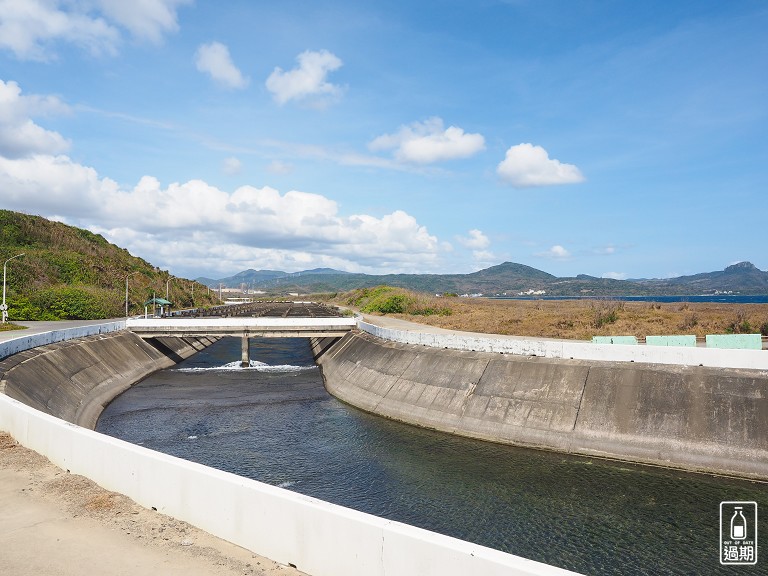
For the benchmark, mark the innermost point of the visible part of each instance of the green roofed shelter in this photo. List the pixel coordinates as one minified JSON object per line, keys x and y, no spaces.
{"x":155,"y":302}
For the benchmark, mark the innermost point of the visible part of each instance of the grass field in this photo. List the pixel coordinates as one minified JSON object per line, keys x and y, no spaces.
{"x":582,"y":319}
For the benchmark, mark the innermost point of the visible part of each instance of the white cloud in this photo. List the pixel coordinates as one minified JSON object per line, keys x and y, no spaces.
{"x":30,"y":28}
{"x":526,"y":165}
{"x":19,"y":135}
{"x":306,"y":81}
{"x":615,"y":275}
{"x":195,"y":224}
{"x":428,"y":142}
{"x":478,"y":243}
{"x":475,"y":240}
{"x":214,"y":60}
{"x":278,"y":167}
{"x":147,"y":19}
{"x":557,"y":252}
{"x":484,"y":259}
{"x":232,"y":166}
{"x":202,"y":227}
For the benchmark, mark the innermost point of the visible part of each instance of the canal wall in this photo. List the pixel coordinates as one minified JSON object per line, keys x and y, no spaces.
{"x":421,"y":335}
{"x":677,"y":415}
{"x":76,"y":378}
{"x":317,"y":537}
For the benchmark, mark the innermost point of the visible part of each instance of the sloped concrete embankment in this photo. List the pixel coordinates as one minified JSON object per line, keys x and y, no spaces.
{"x":696,"y":418}
{"x":74,"y":380}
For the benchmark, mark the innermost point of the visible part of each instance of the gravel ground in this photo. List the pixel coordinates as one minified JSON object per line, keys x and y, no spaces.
{"x":53,"y":522}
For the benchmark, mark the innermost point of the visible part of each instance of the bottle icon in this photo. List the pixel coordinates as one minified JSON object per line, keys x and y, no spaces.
{"x":738,"y":525}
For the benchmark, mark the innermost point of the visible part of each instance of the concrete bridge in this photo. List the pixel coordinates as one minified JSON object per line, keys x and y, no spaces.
{"x":258,"y":319}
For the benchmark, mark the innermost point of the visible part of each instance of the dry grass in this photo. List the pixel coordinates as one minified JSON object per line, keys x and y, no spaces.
{"x":582,"y":319}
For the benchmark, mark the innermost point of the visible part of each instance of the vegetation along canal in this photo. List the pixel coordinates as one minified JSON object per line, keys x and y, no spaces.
{"x":275,"y":422}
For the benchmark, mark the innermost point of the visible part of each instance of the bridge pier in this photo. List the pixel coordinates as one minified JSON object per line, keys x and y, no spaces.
{"x":246,"y":354}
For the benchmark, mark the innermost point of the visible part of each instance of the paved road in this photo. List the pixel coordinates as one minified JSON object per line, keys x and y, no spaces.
{"x":36,"y":327}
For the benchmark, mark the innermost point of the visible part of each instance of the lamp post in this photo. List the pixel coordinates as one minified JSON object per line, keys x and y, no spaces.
{"x":126,"y":291}
{"x":4,"y":306}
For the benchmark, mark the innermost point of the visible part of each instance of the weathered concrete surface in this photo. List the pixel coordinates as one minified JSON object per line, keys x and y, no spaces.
{"x":76,"y":379}
{"x":696,"y":418}
{"x":54,"y":523}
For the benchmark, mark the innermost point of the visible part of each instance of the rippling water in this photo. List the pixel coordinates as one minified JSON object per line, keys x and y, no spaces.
{"x":274,"y":422}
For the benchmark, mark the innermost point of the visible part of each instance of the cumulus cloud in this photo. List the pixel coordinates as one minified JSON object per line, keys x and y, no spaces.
{"x":31,"y":28}
{"x":214,"y":60}
{"x":475,"y":240}
{"x":248,"y":220}
{"x":19,"y":135}
{"x":615,"y":275}
{"x":484,"y":258}
{"x":526,"y":165}
{"x":557,"y":252}
{"x":307,"y":80}
{"x":195,"y":224}
{"x":429,"y":141}
{"x":478,"y":243}
{"x":232,"y":166}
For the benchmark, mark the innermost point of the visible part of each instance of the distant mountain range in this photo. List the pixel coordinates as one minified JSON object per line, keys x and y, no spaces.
{"x":507,"y":279}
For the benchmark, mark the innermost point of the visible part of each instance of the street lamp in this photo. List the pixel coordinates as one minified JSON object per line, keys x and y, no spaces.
{"x":126,"y":291}
{"x":4,"y":306}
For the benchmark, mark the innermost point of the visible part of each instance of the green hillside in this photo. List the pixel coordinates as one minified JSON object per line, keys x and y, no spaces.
{"x":506,"y":279}
{"x":70,"y":273}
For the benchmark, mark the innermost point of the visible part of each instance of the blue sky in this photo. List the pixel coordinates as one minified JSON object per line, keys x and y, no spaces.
{"x":612,"y":138}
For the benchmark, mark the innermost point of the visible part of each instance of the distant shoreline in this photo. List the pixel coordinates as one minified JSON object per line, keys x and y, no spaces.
{"x":707,"y":298}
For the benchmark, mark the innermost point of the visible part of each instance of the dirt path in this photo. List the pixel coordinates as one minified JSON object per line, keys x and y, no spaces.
{"x":55,"y":523}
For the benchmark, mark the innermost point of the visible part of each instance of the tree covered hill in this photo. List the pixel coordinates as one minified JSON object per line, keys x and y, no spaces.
{"x":507,"y":279}
{"x":71,"y":273}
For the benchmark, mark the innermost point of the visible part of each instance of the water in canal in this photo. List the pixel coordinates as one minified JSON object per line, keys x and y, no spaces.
{"x":274,"y":422}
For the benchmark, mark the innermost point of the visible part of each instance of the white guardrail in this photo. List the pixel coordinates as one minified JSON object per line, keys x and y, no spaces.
{"x":574,"y":349}
{"x":317,"y":537}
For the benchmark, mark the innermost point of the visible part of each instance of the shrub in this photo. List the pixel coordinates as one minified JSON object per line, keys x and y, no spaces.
{"x":740,"y":325}
{"x":691,"y":320}
{"x":66,"y":303}
{"x":430,"y":311}
{"x":606,"y":313}
{"x":389,"y":300}
{"x":387,"y":304}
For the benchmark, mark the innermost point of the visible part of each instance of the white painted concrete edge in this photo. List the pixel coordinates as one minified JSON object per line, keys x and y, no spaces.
{"x":317,"y":537}
{"x":576,"y":350}
{"x":15,"y":345}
